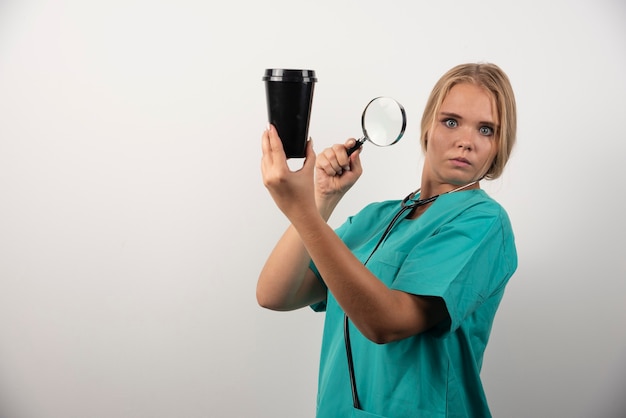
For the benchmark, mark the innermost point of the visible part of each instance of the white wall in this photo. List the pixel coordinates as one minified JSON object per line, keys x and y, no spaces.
{"x":133,"y":220}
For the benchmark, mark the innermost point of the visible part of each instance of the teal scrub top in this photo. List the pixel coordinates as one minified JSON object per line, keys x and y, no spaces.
{"x":462,"y":250}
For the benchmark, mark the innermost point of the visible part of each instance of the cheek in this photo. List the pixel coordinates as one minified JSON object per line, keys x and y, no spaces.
{"x":435,"y":139}
{"x":491,"y":151}
{"x":440,"y":144}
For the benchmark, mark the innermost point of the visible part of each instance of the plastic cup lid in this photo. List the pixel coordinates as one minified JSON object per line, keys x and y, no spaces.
{"x":280,"y":74}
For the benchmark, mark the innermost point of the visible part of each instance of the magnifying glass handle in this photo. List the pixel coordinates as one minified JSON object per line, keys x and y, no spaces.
{"x":359,"y":143}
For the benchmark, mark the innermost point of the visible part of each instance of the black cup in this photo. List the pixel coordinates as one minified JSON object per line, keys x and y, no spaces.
{"x":289,"y":96}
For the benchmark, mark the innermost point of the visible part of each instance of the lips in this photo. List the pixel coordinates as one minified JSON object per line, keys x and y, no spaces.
{"x":461,"y":160}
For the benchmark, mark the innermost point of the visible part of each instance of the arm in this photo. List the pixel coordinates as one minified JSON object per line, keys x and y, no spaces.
{"x":380,"y":313}
{"x":286,"y":282}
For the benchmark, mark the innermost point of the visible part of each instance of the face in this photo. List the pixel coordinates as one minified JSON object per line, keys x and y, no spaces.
{"x":462,"y":141}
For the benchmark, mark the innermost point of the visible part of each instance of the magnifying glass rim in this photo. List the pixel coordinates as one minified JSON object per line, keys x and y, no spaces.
{"x":403,"y":121}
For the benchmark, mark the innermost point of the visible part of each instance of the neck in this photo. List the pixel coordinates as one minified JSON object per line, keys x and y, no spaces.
{"x":428,"y":190}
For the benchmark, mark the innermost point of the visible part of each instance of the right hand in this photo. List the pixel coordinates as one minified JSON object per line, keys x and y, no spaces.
{"x":335,"y":171}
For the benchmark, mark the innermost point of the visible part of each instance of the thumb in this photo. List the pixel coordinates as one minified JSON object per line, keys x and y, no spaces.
{"x":309,"y":162}
{"x":355,"y":161}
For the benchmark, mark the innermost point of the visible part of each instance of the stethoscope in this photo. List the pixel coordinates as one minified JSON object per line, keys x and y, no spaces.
{"x":407,"y":204}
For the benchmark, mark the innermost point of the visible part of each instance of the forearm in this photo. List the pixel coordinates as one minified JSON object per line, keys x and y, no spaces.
{"x":282,"y":284}
{"x":364,"y":298}
{"x":281,"y":281}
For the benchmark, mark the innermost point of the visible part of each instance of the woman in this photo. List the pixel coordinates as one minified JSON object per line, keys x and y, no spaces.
{"x":410,"y":288}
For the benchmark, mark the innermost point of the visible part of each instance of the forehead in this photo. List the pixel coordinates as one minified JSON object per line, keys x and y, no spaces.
{"x":470,"y":101}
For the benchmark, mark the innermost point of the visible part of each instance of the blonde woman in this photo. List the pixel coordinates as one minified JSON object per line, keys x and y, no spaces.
{"x":410,"y":287}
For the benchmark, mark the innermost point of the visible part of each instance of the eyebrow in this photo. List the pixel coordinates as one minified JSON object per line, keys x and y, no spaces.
{"x":455,"y":116}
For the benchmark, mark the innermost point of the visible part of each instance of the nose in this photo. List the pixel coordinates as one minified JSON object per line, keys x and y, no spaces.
{"x":464,"y":139}
{"x":464,"y":142}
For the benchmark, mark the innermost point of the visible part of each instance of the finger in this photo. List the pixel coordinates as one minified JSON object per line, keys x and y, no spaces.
{"x":267,"y":160}
{"x":350,"y":143}
{"x":355,"y":161}
{"x":327,"y":161}
{"x":344,"y":158}
{"x":342,"y":162}
{"x":265,"y":144}
{"x":310,"y":160}
{"x":276,"y":145}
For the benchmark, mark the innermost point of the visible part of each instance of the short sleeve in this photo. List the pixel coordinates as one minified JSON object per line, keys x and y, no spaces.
{"x":464,"y":262}
{"x":319,"y":306}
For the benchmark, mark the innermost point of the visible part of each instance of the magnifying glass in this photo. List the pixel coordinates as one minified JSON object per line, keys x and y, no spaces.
{"x":383,"y":122}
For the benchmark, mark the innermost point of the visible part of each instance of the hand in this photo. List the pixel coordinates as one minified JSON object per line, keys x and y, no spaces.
{"x":292,"y":191}
{"x":336,"y":172}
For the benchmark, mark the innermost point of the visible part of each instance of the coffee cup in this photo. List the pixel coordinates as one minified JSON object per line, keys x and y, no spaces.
{"x":289,"y":95}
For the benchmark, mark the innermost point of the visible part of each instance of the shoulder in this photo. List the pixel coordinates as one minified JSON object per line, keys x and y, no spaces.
{"x":473,"y":203}
{"x":475,"y":214}
{"x":471,"y":198}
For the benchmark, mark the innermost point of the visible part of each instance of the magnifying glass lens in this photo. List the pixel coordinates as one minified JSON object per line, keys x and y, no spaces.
{"x":383,"y":121}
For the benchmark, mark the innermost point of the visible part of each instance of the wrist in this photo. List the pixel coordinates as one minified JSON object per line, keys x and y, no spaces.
{"x":326,"y":205}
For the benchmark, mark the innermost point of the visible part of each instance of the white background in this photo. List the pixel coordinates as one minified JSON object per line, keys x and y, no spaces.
{"x":133,"y":219}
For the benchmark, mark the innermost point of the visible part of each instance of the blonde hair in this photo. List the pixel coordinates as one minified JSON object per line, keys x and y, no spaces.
{"x":495,"y":81}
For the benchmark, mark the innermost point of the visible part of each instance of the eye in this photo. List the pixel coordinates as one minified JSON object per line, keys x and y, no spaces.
{"x":450,"y":123}
{"x":486,"y":130}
